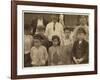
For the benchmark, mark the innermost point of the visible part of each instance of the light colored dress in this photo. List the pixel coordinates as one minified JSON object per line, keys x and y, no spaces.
{"x":55,"y":55}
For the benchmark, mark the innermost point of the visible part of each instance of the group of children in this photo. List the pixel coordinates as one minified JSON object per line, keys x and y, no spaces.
{"x":39,"y":51}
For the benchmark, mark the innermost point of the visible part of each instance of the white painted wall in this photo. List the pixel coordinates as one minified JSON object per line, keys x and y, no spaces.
{"x":5,"y":40}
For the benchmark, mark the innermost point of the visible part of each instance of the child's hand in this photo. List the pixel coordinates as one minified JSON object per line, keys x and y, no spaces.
{"x":80,"y":60}
{"x":76,"y":60}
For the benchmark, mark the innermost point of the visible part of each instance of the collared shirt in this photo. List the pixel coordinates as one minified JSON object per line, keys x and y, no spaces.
{"x":50,"y":31}
{"x":67,"y":42}
{"x":80,"y":42}
{"x":28,"y":39}
{"x":39,"y":55}
{"x":40,"y":22}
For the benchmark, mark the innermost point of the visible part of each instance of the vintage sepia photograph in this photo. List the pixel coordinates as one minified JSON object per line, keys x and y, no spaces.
{"x":55,"y":39}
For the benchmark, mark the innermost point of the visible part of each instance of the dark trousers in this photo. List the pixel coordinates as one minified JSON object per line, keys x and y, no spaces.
{"x":27,"y":60}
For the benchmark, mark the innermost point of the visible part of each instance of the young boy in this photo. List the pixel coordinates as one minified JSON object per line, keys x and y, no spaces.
{"x":41,"y":31}
{"x":67,"y":39}
{"x":67,"y":46}
{"x":80,"y":48}
{"x":39,"y":53}
{"x":28,"y":40}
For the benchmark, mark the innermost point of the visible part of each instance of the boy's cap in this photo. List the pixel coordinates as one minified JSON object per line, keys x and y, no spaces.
{"x":38,"y":36}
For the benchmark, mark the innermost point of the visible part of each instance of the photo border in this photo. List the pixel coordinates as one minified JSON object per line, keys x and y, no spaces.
{"x":14,"y":39}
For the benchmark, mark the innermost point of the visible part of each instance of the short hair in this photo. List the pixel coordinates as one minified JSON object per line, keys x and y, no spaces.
{"x":81,"y":30}
{"x":37,"y":36}
{"x":56,"y":37}
{"x":67,"y":28}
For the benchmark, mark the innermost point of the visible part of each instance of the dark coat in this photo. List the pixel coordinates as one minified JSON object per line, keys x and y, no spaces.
{"x":81,"y":50}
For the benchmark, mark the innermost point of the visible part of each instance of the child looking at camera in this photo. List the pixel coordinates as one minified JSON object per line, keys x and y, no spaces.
{"x":39,"y":54}
{"x":67,"y":47}
{"x":67,"y":41}
{"x":80,"y":48}
{"x":55,"y":51}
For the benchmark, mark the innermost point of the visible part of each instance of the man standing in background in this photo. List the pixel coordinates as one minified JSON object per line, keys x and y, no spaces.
{"x":54,"y":28}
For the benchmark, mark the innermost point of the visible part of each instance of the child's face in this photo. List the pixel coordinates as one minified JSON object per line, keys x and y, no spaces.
{"x":67,"y":33}
{"x":37,"y":42}
{"x":55,"y":42}
{"x":80,"y":36}
{"x":41,"y":31}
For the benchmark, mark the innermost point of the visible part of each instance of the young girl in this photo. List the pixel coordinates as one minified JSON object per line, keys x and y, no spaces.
{"x":39,"y":54}
{"x":28,"y":40}
{"x":55,"y":51}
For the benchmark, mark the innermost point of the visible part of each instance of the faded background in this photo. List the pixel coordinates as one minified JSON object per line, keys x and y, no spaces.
{"x":70,"y":20}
